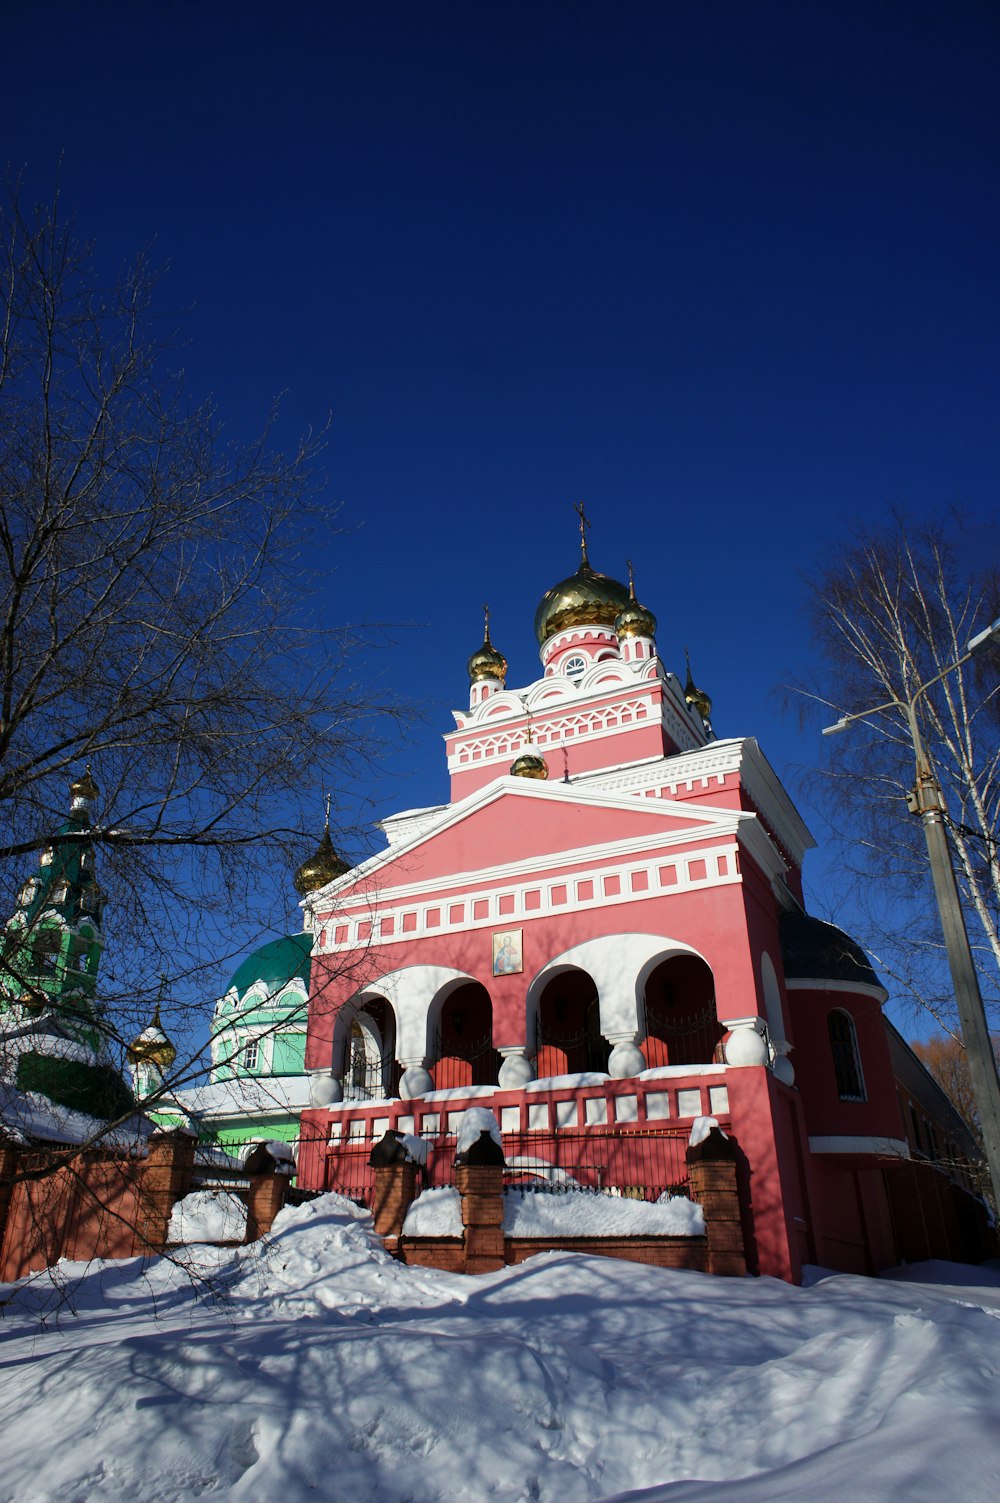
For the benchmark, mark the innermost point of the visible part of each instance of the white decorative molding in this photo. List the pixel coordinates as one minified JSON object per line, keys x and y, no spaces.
{"x":885,"y":1147}
{"x":582,"y":726}
{"x":409,"y":823}
{"x":845,"y":988}
{"x":503,"y":884}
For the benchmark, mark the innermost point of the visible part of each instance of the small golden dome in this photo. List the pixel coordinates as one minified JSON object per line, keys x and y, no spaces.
{"x":319,"y":869}
{"x":529,"y":765}
{"x":84,"y":787}
{"x":152,"y":1045}
{"x":635,"y":620}
{"x":695,"y":696}
{"x":486,"y":662}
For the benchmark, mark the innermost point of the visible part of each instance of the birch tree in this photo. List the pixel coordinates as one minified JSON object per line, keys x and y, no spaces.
{"x":889,"y":613}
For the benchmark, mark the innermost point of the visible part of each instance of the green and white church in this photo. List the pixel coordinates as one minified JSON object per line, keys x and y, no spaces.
{"x":58,"y":1078}
{"x":257,"y":1084}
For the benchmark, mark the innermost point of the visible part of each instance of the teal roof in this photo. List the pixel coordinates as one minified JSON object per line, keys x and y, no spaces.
{"x":275,"y":964}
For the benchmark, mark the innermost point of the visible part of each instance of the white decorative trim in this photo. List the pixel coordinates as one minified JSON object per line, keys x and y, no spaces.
{"x":691,"y":769}
{"x":884,"y":1147}
{"x":844,"y":988}
{"x":490,"y":889}
{"x":552,"y":734}
{"x":409,"y":824}
{"x":725,"y":821}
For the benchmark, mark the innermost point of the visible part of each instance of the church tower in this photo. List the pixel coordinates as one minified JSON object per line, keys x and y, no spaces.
{"x":53,"y":1039}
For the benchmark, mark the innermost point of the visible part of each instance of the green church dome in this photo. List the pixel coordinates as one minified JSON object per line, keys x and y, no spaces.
{"x":274,"y":965}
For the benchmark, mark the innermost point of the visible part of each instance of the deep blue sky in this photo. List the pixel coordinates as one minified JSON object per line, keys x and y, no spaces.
{"x":727,"y":271}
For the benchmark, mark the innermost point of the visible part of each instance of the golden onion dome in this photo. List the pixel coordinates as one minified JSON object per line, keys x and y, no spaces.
{"x":322,"y":867}
{"x":635,"y":620}
{"x":84,"y":787}
{"x":695,"y":696}
{"x":152,"y":1045}
{"x":585,"y":598}
{"x":529,"y":765}
{"x":486,"y":662}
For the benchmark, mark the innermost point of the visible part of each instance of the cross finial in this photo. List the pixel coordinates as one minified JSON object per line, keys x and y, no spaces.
{"x":162,"y":992}
{"x":631,"y":580}
{"x":527,"y":716}
{"x":327,"y":802}
{"x":486,"y":616}
{"x":584,"y":524}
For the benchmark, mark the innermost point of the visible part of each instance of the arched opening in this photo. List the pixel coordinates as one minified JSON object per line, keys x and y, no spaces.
{"x":846,"y":1059}
{"x":682,"y":1027}
{"x":371,"y":1072}
{"x":463,"y":1048}
{"x":569,"y":1038}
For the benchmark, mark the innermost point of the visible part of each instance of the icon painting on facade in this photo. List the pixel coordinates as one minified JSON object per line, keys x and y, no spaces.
{"x":507,"y":959}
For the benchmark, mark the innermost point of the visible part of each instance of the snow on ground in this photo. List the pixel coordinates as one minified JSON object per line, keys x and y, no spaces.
{"x":317,"y":1366}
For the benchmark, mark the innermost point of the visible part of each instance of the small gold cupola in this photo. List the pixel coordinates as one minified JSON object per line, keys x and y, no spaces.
{"x":529,"y":764}
{"x":152,"y":1046}
{"x":486,"y":662}
{"x":82,"y":793}
{"x":635,"y":620}
{"x":695,"y":696}
{"x":322,"y":867}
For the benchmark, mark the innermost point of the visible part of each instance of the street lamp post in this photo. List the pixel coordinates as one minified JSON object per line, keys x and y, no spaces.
{"x":927,"y":801}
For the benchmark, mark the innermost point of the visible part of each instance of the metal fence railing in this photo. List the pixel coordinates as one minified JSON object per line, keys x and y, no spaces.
{"x":642,"y":1163}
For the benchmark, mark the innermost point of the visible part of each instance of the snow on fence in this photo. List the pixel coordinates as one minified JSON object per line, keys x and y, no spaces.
{"x":640,"y":1163}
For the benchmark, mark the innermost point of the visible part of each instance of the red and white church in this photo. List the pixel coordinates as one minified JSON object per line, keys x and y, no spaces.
{"x":601,"y":937}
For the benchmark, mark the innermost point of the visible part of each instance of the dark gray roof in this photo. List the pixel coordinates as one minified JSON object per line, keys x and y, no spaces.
{"x":813,"y":950}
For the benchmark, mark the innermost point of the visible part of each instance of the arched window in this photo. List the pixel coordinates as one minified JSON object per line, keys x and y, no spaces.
{"x":846,"y":1060}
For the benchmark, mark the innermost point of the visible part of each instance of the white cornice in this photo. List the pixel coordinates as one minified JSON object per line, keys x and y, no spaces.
{"x":587,"y":856}
{"x":740,"y":756}
{"x":883,"y":1147}
{"x":724,"y":820}
{"x":593,"y":790}
{"x":826,"y":984}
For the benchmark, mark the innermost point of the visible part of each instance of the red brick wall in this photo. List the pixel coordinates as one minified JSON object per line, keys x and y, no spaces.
{"x":95,"y":1204}
{"x":658,"y":1252}
{"x":433,"y":1252}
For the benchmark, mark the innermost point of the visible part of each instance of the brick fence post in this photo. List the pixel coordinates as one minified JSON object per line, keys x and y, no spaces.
{"x":395,"y":1191}
{"x":9,"y":1156}
{"x":266,"y":1198}
{"x":163,"y":1179}
{"x":481,"y":1189}
{"x":712,"y":1181}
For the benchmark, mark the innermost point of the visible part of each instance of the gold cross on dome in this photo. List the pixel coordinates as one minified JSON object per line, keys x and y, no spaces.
{"x":584,"y":524}
{"x":486,"y":617}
